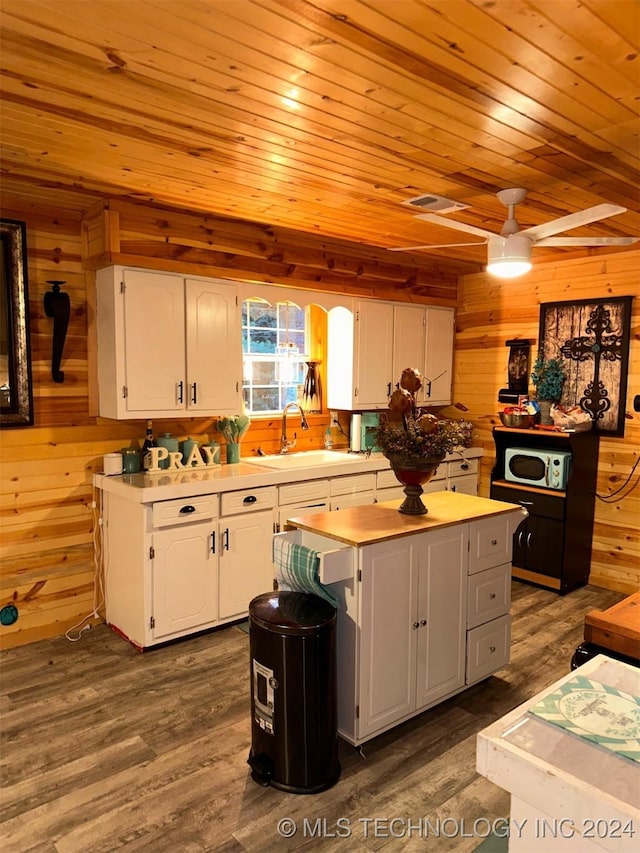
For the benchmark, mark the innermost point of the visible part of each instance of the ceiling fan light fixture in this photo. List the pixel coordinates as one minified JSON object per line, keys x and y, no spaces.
{"x":509,"y":257}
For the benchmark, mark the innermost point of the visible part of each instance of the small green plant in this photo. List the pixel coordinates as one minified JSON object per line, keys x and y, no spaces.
{"x":548,"y":377}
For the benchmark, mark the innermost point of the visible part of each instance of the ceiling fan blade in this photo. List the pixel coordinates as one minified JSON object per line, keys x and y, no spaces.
{"x":457,"y":226}
{"x":438,"y":246}
{"x":573,"y":220}
{"x":587,"y":241}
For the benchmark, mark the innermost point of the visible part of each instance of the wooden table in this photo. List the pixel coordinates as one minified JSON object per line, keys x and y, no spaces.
{"x":567,"y":793}
{"x":615,"y":631}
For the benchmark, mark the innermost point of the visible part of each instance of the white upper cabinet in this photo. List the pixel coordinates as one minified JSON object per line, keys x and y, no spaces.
{"x":167,"y":345}
{"x":370,"y":345}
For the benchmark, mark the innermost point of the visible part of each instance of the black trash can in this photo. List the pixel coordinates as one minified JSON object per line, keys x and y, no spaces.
{"x":294,"y":718}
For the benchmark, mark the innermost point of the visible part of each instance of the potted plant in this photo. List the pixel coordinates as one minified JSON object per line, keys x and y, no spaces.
{"x":548,"y":376}
{"x":414,"y":441}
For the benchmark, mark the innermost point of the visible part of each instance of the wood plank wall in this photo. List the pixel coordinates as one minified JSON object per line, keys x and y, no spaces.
{"x":46,"y":495}
{"x":492,"y":312}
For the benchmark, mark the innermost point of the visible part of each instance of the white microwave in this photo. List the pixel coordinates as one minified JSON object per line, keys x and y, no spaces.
{"x":542,"y":467}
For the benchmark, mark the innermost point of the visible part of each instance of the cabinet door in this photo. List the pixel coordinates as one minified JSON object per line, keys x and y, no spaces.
{"x":388,"y":597}
{"x":466,"y":485}
{"x":442,"y":613}
{"x":154,"y":343}
{"x":344,"y":501}
{"x":245,"y":569}
{"x":214,"y":347}
{"x":409,"y":340}
{"x":184,"y":590}
{"x":544,"y":543}
{"x":373,"y":355}
{"x":438,"y":369}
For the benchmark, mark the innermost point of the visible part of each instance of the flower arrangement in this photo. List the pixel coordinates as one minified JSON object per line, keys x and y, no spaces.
{"x":409,"y":432}
{"x":548,"y":376}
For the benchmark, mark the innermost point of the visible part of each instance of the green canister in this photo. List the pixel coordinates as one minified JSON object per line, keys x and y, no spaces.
{"x":171,"y":444}
{"x":186,"y":448}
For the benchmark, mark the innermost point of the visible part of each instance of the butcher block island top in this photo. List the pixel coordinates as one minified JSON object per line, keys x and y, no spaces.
{"x":365,"y":525}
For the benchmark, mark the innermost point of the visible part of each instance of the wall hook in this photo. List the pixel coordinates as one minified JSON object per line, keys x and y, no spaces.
{"x":58,"y":306}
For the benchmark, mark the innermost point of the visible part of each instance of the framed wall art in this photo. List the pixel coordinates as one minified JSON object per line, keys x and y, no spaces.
{"x":591,"y":337}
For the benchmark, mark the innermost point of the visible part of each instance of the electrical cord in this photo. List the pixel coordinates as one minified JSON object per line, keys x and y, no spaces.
{"x":616,"y":495}
{"x":98,"y":588}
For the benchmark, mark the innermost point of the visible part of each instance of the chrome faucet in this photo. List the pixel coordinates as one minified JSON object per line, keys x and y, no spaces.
{"x":284,"y":444}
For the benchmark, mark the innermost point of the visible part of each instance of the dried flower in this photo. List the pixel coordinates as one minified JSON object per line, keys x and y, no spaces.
{"x":409,"y":431}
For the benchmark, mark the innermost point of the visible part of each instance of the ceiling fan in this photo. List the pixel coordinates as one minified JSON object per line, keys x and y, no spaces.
{"x":509,"y":252}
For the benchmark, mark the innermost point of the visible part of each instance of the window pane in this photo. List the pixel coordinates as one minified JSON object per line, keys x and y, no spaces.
{"x":273,"y":343}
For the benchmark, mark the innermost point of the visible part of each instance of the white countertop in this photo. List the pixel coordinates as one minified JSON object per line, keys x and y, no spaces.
{"x":190,"y":482}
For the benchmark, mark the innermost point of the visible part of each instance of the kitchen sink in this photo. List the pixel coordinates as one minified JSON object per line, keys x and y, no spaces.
{"x":304,"y":459}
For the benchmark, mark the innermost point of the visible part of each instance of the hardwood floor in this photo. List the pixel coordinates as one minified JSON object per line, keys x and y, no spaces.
{"x":105,"y":749}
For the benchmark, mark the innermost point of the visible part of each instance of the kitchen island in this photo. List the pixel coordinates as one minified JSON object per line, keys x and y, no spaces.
{"x":423,"y":602}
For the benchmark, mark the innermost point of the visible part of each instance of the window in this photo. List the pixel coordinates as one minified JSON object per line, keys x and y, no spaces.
{"x":274,"y":343}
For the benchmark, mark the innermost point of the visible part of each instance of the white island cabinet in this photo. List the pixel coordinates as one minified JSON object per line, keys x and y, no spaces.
{"x":426,"y":612}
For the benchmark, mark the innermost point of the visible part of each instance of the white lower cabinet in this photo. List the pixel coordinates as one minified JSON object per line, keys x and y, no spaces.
{"x":184,"y":588}
{"x":175,"y":567}
{"x":413,"y":615}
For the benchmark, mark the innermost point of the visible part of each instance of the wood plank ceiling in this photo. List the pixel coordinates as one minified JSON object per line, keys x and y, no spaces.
{"x":325,"y":115}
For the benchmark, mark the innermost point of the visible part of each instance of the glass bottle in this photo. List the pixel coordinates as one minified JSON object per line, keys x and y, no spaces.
{"x":148,"y":443}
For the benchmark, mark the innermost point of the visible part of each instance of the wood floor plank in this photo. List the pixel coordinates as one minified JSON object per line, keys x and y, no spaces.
{"x":107,"y":749}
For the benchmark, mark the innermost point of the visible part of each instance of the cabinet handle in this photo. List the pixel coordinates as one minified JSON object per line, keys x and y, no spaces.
{"x":520,"y":535}
{"x":388,"y":389}
{"x":494,"y":541}
{"x":423,"y":622}
{"x":453,"y":488}
{"x":226,"y":539}
{"x":194,"y":393}
{"x":250,"y":499}
{"x":213,"y":542}
{"x":416,"y":624}
{"x":180,"y":390}
{"x":185,"y":510}
{"x":464,"y":466}
{"x":492,"y":649}
{"x":492,"y":595}
{"x":528,"y":539}
{"x":525,"y":503}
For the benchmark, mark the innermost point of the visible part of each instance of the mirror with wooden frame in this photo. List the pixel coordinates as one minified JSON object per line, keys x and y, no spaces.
{"x":16,"y":397}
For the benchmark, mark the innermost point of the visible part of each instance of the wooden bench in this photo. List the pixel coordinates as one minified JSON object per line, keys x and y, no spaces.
{"x":614,"y":632}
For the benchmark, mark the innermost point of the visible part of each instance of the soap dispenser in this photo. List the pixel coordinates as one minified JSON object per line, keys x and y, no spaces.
{"x":328,"y":439}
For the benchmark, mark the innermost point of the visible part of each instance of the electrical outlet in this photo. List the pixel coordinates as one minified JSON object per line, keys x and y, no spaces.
{"x":334,"y":419}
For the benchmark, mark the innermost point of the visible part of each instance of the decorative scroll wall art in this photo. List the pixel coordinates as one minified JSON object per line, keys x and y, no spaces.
{"x":591,"y":337}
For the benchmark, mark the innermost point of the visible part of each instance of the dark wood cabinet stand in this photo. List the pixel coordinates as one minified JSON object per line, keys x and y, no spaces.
{"x":552,"y":547}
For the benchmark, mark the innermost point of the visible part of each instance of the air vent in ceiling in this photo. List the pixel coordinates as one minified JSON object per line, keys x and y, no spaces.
{"x":435,"y":203}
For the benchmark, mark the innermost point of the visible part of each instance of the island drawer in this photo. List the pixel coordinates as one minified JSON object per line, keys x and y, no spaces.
{"x":248,"y":500}
{"x":305,"y":490}
{"x":491,"y":542}
{"x":488,"y":648}
{"x":489,"y":595}
{"x":184,"y":511}
{"x":335,"y":564}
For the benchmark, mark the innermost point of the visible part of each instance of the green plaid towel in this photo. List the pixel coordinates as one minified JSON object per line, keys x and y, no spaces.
{"x":297,"y":569}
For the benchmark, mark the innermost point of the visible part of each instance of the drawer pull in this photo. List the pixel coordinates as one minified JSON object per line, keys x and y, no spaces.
{"x":494,"y":541}
{"x":492,"y":595}
{"x":416,"y":624}
{"x":423,"y":622}
{"x":492,"y":649}
{"x":186,"y":510}
{"x":525,"y":503}
{"x":250,"y":499}
{"x":464,"y":466}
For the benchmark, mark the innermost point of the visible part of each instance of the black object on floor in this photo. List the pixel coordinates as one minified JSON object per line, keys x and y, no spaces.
{"x":294,"y":725}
